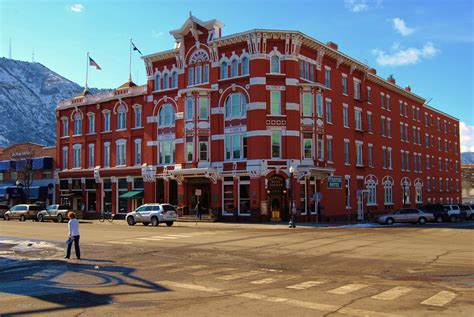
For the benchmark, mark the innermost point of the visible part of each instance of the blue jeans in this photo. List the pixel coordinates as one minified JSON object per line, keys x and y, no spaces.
{"x":76,"y":247}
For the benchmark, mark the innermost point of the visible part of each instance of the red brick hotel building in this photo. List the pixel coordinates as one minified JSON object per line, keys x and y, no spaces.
{"x":253,"y":125}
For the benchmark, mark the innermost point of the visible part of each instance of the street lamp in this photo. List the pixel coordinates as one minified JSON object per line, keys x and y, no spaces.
{"x":17,"y":190}
{"x":292,"y":223}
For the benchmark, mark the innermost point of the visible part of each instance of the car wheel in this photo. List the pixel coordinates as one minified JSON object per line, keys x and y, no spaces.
{"x":169,"y":223}
{"x":131,"y":221}
{"x":40,"y":218}
{"x":22,"y":218}
{"x":439,"y":219}
{"x":452,"y":218}
{"x":389,"y":221}
{"x":154,"y":222}
{"x":60,"y":218}
{"x":422,"y":221}
{"x":146,"y":224}
{"x":6,"y":217}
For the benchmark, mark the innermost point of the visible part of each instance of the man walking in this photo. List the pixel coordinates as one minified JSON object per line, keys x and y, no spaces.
{"x":73,"y":236}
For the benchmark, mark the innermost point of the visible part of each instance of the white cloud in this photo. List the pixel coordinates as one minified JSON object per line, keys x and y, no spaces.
{"x":467,"y":137}
{"x":400,"y":26}
{"x":400,"y":56}
{"x":77,"y":8}
{"x":156,"y":34}
{"x":356,"y":5}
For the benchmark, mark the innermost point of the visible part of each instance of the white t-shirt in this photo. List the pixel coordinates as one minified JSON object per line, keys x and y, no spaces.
{"x":73,"y":226}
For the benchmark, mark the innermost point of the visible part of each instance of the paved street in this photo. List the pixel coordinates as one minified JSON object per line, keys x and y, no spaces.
{"x":214,"y":269}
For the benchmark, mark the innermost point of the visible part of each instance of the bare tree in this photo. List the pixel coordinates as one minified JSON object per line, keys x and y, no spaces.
{"x":24,"y":167}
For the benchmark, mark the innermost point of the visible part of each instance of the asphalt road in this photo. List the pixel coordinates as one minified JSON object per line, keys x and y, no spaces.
{"x":213,"y":269}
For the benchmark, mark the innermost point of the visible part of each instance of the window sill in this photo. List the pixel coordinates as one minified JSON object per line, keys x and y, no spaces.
{"x":371,"y":205}
{"x":347,"y":164}
{"x":64,"y":137}
{"x":76,"y":135}
{"x":330,"y":162}
{"x":76,"y":168}
{"x":109,"y":131}
{"x":235,"y":77}
{"x":163,"y":90}
{"x":277,"y":115}
{"x":276,"y":74}
{"x":137,"y":128}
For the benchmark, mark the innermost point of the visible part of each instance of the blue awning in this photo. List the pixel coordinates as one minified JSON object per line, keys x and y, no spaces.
{"x":7,"y":165}
{"x":36,"y":192}
{"x":40,"y":163}
{"x":21,"y":164}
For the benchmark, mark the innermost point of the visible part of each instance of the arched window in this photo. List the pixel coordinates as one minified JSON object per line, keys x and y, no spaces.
{"x":166,"y":116}
{"x":387,"y":183}
{"x":235,"y":106}
{"x":371,"y":185}
{"x":406,"y":183}
{"x":165,"y":81}
{"x":121,"y":118}
{"x":77,"y":124}
{"x":245,"y":65}
{"x":418,"y":191}
{"x":275,"y":64}
{"x":158,"y":82}
{"x":234,"y":68}
{"x":224,"y":70}
{"x":174,"y":79}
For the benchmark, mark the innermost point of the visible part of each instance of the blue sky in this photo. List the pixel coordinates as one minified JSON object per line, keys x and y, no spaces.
{"x":425,"y":44}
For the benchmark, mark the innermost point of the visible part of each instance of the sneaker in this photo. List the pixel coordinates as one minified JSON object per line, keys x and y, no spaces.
{"x":66,"y":257}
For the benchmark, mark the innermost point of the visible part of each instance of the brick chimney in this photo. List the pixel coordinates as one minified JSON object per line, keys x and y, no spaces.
{"x":391,"y":79}
{"x":373,"y":71}
{"x":408,"y":88}
{"x":332,"y":45}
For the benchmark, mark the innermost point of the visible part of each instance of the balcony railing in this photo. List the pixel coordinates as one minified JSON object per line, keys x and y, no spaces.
{"x":101,"y":97}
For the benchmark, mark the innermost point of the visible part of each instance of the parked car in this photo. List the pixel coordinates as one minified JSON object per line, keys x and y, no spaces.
{"x":467,"y":212}
{"x":3,"y":210}
{"x":443,"y":212}
{"x":411,"y":215}
{"x":154,"y":214}
{"x":22,"y":212}
{"x":57,"y":213}
{"x":452,"y":212}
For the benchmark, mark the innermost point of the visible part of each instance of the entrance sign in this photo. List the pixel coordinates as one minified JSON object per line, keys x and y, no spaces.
{"x":334,"y":182}
{"x":198,"y":192}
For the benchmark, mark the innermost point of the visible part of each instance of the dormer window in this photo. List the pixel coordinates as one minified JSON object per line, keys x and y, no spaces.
{"x":275,"y":64}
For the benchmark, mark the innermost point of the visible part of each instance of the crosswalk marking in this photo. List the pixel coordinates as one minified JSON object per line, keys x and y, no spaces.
{"x":150,"y":239}
{"x":119,"y":242}
{"x":209,"y":272}
{"x":184,"y":268}
{"x":305,"y":285}
{"x":190,"y":286}
{"x":393,"y":293}
{"x":267,"y":280}
{"x":164,"y":237}
{"x":346,"y":289}
{"x":236,"y":276}
{"x":179,"y":236}
{"x":440,"y":299}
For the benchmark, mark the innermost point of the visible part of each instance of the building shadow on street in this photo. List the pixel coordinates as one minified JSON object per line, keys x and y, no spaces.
{"x":39,"y":279}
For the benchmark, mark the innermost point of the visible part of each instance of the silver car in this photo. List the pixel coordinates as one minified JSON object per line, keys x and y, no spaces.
{"x":411,"y":215}
{"x":22,"y":212}
{"x":154,"y":214}
{"x":57,"y":213}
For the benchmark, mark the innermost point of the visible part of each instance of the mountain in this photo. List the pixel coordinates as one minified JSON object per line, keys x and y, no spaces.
{"x":29,"y":93}
{"x":467,"y":158}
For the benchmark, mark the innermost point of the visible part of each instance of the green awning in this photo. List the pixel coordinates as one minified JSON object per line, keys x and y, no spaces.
{"x":132,"y":194}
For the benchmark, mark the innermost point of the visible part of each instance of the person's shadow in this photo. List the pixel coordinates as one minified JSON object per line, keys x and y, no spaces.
{"x":39,"y":279}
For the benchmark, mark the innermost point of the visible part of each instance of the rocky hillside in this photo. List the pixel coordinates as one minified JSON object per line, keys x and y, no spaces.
{"x":28,"y":96}
{"x":467,"y":158}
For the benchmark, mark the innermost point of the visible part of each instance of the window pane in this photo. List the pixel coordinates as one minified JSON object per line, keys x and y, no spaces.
{"x":275,"y":100}
{"x":203,"y":113}
{"x":236,"y":146}
{"x":276,"y":144}
{"x":307,"y":107}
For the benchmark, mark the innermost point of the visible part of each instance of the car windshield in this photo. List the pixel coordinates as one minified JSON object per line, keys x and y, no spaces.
{"x":19,"y":208}
{"x":52,"y":207}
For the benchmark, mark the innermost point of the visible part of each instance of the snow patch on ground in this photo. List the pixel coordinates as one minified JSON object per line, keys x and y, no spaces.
{"x":27,"y":246}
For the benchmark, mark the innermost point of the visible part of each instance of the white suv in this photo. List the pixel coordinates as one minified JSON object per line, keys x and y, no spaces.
{"x":154,"y":214}
{"x":453,"y":212}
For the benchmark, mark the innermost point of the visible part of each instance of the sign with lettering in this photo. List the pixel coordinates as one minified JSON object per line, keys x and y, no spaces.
{"x":198,"y":192}
{"x":334,"y":182}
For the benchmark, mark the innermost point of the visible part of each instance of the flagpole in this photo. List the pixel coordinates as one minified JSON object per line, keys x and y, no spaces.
{"x":87,"y":69}
{"x":130,"y":63}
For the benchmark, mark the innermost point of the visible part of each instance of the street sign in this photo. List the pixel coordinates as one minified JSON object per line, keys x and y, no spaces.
{"x":198,"y":192}
{"x":334,"y":182}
